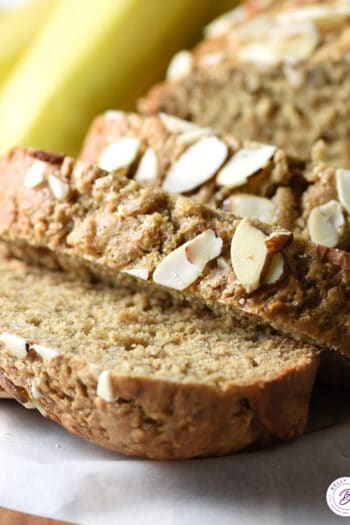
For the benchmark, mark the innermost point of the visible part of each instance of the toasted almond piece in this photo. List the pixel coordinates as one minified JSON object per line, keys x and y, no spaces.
{"x":119,"y":154}
{"x":141,"y":273}
{"x":285,"y":44}
{"x":278,"y":240}
{"x":148,"y":169}
{"x":184,"y":265}
{"x":16,"y":346}
{"x":325,"y":224}
{"x":222,"y":264}
{"x":105,"y":387}
{"x":324,"y":16}
{"x":45,"y":352}
{"x":224,"y":23}
{"x":276,"y":270}
{"x":342,"y":178}
{"x":212,"y":59}
{"x":35,"y":175}
{"x":246,"y":205}
{"x":249,"y":255}
{"x":333,"y":256}
{"x":193,"y":135}
{"x":112,"y":114}
{"x":175,"y":124}
{"x":196,"y":165}
{"x":243,"y":164}
{"x":59,"y":188}
{"x":180,"y":66}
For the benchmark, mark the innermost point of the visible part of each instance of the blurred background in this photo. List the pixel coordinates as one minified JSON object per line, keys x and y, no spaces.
{"x":64,"y":61}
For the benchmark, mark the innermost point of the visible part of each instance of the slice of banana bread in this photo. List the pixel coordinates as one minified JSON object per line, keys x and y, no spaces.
{"x":136,"y":374}
{"x":276,"y":72}
{"x":81,"y":217}
{"x":247,"y":178}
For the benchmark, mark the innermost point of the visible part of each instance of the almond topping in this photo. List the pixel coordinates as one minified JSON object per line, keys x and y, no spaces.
{"x":59,"y":188}
{"x":184,"y":265}
{"x":119,"y":154}
{"x":141,"y":273}
{"x":113,"y":115}
{"x":342,"y":178}
{"x":276,"y":270}
{"x":16,"y":346}
{"x":175,"y":124}
{"x":326,"y":223}
{"x":278,"y":240}
{"x":105,"y":387}
{"x":35,"y":174}
{"x":148,"y":168}
{"x":243,"y":164}
{"x":249,"y":255}
{"x":196,"y":165}
{"x":193,"y":135}
{"x":180,"y":66}
{"x":245,"y":205}
{"x":45,"y":352}
{"x":324,"y":16}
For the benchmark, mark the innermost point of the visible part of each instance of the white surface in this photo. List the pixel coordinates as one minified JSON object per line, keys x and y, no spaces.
{"x":44,"y":470}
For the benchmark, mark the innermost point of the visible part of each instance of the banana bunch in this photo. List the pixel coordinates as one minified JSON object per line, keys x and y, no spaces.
{"x":89,"y":56}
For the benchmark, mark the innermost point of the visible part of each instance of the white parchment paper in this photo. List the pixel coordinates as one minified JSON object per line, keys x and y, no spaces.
{"x":46,"y":471}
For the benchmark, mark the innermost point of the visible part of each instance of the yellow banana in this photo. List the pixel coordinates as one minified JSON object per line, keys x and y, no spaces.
{"x":17,"y":28}
{"x":91,"y":55}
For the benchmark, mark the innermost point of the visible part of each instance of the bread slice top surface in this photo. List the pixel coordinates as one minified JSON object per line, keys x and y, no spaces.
{"x":135,"y":334}
{"x":112,"y":225}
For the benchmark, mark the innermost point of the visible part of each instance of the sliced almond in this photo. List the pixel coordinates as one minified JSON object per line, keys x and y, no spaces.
{"x":105,"y":387}
{"x":246,"y":205}
{"x":324,"y":16}
{"x":224,"y":23}
{"x":45,"y":352}
{"x":16,"y":346}
{"x":222,"y":264}
{"x":325,"y":224}
{"x":180,"y":66}
{"x":249,"y":255}
{"x":284,"y":44}
{"x":278,"y":240}
{"x":196,"y":165}
{"x":184,"y":265}
{"x":175,"y":124}
{"x":276,"y":270}
{"x":342,"y":178}
{"x":141,"y":273}
{"x":243,"y":164}
{"x":193,"y":135}
{"x":59,"y":188}
{"x":148,"y":169}
{"x":119,"y":154}
{"x":113,"y":115}
{"x":35,"y":175}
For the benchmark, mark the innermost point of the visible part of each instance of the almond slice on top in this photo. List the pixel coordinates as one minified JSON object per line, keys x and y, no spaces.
{"x":119,"y":154}
{"x":342,"y":178}
{"x":325,"y":224}
{"x":184,"y":265}
{"x":243,"y":164}
{"x":246,"y":205}
{"x":148,"y":169}
{"x":198,"y":164}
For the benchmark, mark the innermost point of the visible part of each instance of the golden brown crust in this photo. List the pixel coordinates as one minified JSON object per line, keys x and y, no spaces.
{"x":161,"y":419}
{"x":109,"y":224}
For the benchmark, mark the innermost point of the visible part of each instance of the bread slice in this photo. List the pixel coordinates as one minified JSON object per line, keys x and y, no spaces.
{"x":309,"y":199}
{"x":136,"y":374}
{"x":83,"y":218}
{"x":164,"y":142}
{"x":278,"y":74}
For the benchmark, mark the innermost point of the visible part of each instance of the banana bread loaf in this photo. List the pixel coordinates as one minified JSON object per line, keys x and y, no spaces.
{"x":272,"y":71}
{"x":79,"y":216}
{"x":138,"y":375}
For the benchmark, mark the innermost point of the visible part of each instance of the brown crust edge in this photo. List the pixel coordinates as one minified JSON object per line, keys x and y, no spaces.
{"x":161,"y":419}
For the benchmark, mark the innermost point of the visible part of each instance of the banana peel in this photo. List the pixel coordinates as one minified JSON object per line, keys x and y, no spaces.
{"x":92,"y":55}
{"x":17,"y":29}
